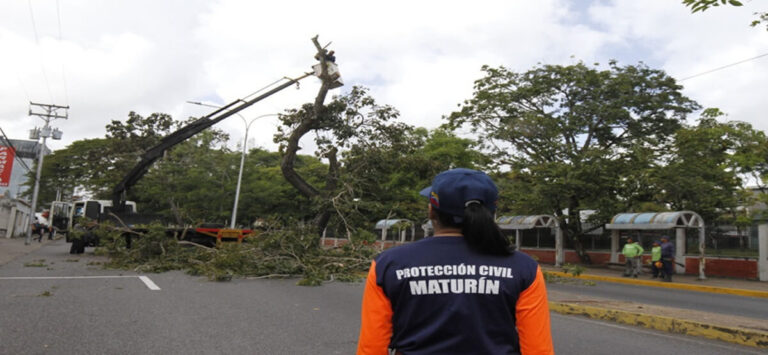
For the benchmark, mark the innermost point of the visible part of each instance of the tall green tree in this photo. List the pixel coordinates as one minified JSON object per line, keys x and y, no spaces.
{"x":709,"y":167}
{"x":569,"y":134}
{"x":388,"y":175}
{"x":265,"y":193}
{"x":95,"y":166}
{"x":197,"y":178}
{"x":74,"y":168}
{"x":128,"y":140}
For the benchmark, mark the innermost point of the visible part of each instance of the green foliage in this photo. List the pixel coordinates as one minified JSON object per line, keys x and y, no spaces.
{"x":96,"y":165}
{"x":709,"y":164}
{"x":266,"y":193}
{"x":78,"y":166}
{"x":573,"y":269}
{"x":387,"y":177}
{"x":762,"y":17}
{"x":703,"y":5}
{"x":277,"y":252}
{"x":383,"y":164}
{"x":196,"y":175}
{"x":574,"y":137}
{"x":36,"y":263}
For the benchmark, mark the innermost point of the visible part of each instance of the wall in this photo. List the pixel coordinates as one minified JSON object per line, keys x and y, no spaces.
{"x":547,"y":256}
{"x":337,"y":242}
{"x":725,"y":267}
{"x":729,"y":267}
{"x":14,"y":216}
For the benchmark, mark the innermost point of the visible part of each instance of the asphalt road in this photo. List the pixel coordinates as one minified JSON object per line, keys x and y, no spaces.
{"x":751,"y":307}
{"x":578,"y":335}
{"x":190,"y":315}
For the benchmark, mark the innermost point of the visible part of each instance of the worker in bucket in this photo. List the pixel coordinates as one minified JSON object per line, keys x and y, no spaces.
{"x":463,"y":291}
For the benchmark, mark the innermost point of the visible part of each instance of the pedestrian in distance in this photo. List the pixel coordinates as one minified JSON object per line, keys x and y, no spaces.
{"x":38,"y":228}
{"x":667,"y":258}
{"x":657,"y":267}
{"x":633,"y":252}
{"x":463,"y":291}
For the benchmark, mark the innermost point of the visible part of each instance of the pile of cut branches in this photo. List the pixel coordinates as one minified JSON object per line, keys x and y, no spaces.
{"x":275,"y":253}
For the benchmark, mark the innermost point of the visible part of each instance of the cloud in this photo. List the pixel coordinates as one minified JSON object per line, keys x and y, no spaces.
{"x":686,"y":44}
{"x":421,"y":57}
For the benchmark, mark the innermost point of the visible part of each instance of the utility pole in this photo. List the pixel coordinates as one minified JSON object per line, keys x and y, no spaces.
{"x":49,"y":113}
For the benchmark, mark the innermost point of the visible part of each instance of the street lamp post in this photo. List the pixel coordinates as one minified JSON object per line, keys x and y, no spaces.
{"x":242,"y":155}
{"x":242,"y":161}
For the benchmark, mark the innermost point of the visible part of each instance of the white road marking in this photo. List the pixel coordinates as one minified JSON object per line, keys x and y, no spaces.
{"x":710,"y":342}
{"x":151,"y":285}
{"x":62,"y":277}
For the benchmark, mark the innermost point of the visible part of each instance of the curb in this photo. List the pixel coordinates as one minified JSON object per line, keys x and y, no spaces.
{"x":675,"y":285}
{"x":734,"y":335}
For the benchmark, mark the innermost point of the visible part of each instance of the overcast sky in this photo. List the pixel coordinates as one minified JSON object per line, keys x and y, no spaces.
{"x":106,"y":58}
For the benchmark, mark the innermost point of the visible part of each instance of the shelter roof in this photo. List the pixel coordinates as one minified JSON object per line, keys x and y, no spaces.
{"x":656,"y":220}
{"x":527,"y":222}
{"x":387,"y":223}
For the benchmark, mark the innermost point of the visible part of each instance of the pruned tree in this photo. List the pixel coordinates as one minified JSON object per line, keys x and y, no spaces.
{"x":351,"y":121}
{"x":311,"y":116}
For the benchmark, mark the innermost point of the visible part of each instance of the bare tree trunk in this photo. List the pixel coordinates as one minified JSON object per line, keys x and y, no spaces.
{"x":331,"y":183}
{"x":574,"y":232}
{"x":308,"y":123}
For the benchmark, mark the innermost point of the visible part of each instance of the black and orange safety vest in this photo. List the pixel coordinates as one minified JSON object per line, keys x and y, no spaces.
{"x":438,"y":296}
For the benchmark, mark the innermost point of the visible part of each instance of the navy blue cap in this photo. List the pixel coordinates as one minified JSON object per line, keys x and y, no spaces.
{"x":452,"y":190}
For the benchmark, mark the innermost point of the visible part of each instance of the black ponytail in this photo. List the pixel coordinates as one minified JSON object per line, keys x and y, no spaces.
{"x":479,"y":229}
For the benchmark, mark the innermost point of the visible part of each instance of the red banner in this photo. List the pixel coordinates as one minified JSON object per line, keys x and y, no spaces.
{"x":6,"y":164}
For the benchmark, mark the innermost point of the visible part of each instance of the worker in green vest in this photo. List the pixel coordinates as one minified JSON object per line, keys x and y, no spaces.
{"x":632,"y":253}
{"x":657,"y":267}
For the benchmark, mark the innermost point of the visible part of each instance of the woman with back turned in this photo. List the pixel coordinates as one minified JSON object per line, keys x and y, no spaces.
{"x":461,"y":292}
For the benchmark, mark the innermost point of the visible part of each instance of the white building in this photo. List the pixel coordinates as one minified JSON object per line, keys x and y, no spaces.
{"x":17,"y":158}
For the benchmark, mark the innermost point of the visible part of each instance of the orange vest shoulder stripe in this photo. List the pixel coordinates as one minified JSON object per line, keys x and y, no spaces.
{"x":532,"y":313}
{"x":376,"y":318}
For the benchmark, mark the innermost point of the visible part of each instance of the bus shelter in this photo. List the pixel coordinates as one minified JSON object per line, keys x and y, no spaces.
{"x":402,"y":226}
{"x":520,"y":223}
{"x":678,"y":221}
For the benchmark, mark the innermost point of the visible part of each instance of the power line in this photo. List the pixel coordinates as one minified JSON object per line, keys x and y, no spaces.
{"x":266,"y":87}
{"x":23,"y":87}
{"x":37,"y":42}
{"x":723,"y":67}
{"x":61,"y":42}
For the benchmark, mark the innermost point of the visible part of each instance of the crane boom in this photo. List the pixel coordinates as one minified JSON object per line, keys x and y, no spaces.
{"x":182,"y":134}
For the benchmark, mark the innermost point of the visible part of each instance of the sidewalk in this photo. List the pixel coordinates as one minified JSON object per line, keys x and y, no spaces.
{"x":733,"y":329}
{"x":12,"y":248}
{"x":645,"y":279}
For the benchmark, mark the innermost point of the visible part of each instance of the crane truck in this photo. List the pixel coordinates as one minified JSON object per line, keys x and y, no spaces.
{"x":125,"y":212}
